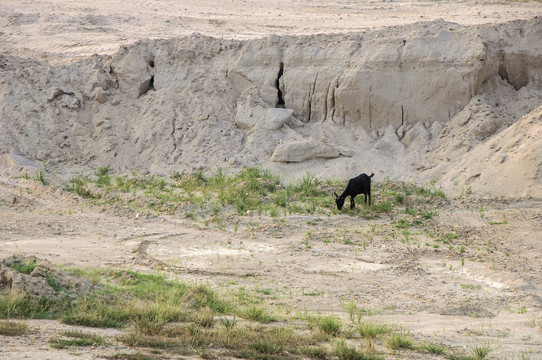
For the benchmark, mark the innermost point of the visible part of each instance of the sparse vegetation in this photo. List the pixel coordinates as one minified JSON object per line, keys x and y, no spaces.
{"x":206,"y":196}
{"x":25,"y":267}
{"x":71,"y":339}
{"x":481,"y":351}
{"x":157,"y":314}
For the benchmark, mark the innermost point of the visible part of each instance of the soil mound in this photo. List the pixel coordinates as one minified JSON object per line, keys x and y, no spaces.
{"x":39,"y":278}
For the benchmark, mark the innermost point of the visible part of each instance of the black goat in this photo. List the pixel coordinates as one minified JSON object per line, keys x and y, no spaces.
{"x":361,"y":184}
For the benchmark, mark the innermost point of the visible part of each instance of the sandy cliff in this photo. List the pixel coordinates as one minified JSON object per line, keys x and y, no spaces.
{"x":416,"y":102}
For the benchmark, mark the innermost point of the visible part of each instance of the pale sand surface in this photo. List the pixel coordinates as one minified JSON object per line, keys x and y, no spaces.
{"x":424,"y":290}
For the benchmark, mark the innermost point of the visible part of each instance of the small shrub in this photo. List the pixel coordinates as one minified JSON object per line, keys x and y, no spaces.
{"x":102,"y":174}
{"x":397,"y":341}
{"x":258,"y":313}
{"x":330,"y":324}
{"x":53,"y":282}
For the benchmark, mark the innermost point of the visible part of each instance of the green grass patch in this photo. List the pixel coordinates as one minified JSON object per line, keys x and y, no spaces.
{"x":24,"y":267}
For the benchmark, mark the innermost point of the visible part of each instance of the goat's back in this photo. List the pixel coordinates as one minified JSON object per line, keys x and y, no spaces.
{"x":360,"y":184}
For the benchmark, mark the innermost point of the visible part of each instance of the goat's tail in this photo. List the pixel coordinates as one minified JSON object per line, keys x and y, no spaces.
{"x":372,"y":174}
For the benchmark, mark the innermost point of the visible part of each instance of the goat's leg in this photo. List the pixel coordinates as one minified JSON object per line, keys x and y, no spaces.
{"x":369,"y":196}
{"x":352,"y":203}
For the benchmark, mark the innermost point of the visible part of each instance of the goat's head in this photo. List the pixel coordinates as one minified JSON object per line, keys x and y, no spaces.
{"x":339,"y":200}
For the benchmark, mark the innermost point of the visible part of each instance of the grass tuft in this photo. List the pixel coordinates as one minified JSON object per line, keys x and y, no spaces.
{"x":330,"y":324}
{"x":24,"y":268}
{"x":11,"y":328}
{"x":397,"y":341}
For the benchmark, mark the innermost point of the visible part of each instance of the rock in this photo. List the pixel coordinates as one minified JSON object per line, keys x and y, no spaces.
{"x":70,"y":102}
{"x":133,"y":69}
{"x":299,"y":151}
{"x":13,"y":164}
{"x":418,"y":133}
{"x":435,"y":129}
{"x":45,"y":280}
{"x":487,"y":127}
{"x":276,"y":118}
{"x":99,"y":95}
{"x":233,"y":161}
{"x":253,"y":111}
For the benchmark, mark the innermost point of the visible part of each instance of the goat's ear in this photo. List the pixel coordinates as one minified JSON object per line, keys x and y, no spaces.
{"x":335,"y":194}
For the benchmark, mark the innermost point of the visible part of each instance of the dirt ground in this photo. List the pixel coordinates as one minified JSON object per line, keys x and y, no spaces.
{"x":487,"y":294}
{"x":490,"y":294}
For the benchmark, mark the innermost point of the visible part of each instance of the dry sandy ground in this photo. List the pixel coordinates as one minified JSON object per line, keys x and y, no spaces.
{"x":427,"y":290}
{"x":67,"y":29}
{"x":489,"y":295}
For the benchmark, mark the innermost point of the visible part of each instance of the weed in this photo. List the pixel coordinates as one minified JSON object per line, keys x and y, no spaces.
{"x":229,"y":323}
{"x":371,"y":331}
{"x":78,"y":185}
{"x":24,"y":268}
{"x":258,"y":313}
{"x":53,"y":282}
{"x":314,"y":352}
{"x":19,"y":305}
{"x":433,"y":348}
{"x":397,"y":341}
{"x":312,"y":292}
{"x":76,"y":339}
{"x":41,"y":178}
{"x":448,"y":238}
{"x":130,"y":356}
{"x":205,"y":317}
{"x":330,"y":324}
{"x":481,"y":351}
{"x":503,"y":222}
{"x":345,"y":352}
{"x":428,"y":214}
